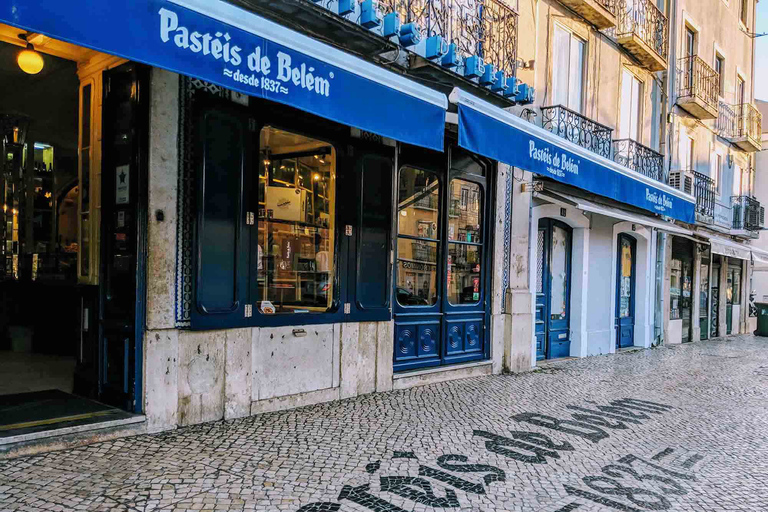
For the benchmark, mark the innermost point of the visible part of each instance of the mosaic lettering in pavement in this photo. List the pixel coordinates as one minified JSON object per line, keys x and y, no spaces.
{"x":673,"y":428}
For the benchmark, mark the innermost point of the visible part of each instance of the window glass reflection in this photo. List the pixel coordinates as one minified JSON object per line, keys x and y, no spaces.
{"x":464,"y":213}
{"x":418,"y":233}
{"x":418,"y":203}
{"x":464,"y":285}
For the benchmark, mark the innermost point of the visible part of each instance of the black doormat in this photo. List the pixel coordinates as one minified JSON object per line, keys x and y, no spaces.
{"x":26,"y":413}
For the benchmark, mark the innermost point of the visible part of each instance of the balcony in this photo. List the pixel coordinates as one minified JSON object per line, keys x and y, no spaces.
{"x":749,"y":128}
{"x":487,"y":28}
{"x":578,"y":129}
{"x":748,"y":216}
{"x":639,"y":158}
{"x":704,"y":190}
{"x":601,"y":13}
{"x":698,"y":88}
{"x":643,"y":31}
{"x":726,"y":121}
{"x":700,"y":186}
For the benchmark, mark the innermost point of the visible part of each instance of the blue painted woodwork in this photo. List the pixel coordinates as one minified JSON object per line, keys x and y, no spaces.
{"x":445,"y":333}
{"x":625,"y":325}
{"x":553,"y":339}
{"x":124,"y":243}
{"x":492,"y":132}
{"x":221,"y":43}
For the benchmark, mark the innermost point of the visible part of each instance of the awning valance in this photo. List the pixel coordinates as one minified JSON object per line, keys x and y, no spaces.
{"x":237,"y":49}
{"x":616,"y":213}
{"x":725,"y":247}
{"x":495,"y":133}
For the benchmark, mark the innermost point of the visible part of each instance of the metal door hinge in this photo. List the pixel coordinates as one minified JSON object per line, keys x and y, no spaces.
{"x":250,"y":218}
{"x":348,"y":230}
{"x":248,"y":310}
{"x":347,"y":308}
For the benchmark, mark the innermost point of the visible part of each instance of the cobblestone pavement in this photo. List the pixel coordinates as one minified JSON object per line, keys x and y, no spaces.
{"x":673,"y":428}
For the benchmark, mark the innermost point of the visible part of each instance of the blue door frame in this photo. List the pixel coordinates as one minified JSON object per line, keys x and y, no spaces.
{"x":625,"y":325}
{"x":553,"y":334}
{"x":444,"y":333}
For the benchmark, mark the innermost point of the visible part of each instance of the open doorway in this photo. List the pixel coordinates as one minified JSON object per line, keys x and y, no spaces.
{"x":57,"y":361}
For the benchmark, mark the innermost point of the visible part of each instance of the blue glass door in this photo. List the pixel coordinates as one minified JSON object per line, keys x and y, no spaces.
{"x":625,"y":292}
{"x":441,"y":274}
{"x":553,"y":298}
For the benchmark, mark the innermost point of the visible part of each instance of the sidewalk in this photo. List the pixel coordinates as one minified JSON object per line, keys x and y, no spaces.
{"x":672,"y":428}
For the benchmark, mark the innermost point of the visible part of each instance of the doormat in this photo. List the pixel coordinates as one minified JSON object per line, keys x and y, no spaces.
{"x":24,"y":413}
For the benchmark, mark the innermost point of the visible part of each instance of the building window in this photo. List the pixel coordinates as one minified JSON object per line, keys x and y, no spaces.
{"x":568,"y":70}
{"x":736,"y":180}
{"x":418,"y":237}
{"x":717,"y":171}
{"x":688,"y":156}
{"x":690,"y":42}
{"x":271,"y":244}
{"x":297,"y":178}
{"x":741,"y":91}
{"x":744,"y":11}
{"x":720,"y":69}
{"x":631,"y":103}
{"x":465,"y":244}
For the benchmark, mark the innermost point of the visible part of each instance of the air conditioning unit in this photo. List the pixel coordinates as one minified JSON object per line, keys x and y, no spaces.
{"x":682,"y":180}
{"x":762,"y":217}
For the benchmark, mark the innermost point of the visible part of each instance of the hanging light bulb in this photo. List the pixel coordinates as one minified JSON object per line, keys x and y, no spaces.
{"x":29,"y":60}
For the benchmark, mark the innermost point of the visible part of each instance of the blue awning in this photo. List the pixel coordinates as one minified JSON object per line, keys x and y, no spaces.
{"x":226,"y":45}
{"x":495,"y":133}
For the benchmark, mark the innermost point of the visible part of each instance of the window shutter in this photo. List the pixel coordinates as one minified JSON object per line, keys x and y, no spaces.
{"x":221,"y":277}
{"x":370,"y":269}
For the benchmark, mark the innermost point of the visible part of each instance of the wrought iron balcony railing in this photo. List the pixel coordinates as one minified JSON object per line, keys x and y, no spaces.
{"x":487,"y":28}
{"x":726,"y":121}
{"x":428,"y":202}
{"x":748,"y":214}
{"x":705,"y":191}
{"x":635,"y":156}
{"x":578,"y":129}
{"x":749,"y":124}
{"x":646,"y":21}
{"x":698,"y":82}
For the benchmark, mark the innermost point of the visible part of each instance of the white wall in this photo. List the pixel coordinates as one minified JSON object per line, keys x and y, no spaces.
{"x":600,"y":315}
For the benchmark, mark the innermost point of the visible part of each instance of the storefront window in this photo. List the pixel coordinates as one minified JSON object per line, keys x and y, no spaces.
{"x":734,"y":286}
{"x":625,"y":286}
{"x":675,"y":289}
{"x":559,"y":272}
{"x":464,"y":242}
{"x":418,"y":237}
{"x":296,"y":211}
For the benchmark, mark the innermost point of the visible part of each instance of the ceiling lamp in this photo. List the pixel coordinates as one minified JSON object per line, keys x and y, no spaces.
{"x":30,"y":61}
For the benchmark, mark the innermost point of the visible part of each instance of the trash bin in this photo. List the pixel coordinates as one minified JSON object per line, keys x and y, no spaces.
{"x":762,"y":319}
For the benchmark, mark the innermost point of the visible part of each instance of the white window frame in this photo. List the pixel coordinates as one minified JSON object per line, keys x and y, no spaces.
{"x":554,"y":99}
{"x":640,"y":106}
{"x":716,"y":170}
